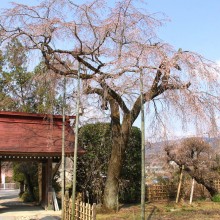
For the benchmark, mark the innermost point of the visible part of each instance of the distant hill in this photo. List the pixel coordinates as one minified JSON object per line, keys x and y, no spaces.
{"x":158,"y":146}
{"x":156,"y":150}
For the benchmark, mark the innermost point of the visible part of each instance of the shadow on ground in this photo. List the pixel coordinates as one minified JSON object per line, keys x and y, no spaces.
{"x":149,"y":217}
{"x":12,"y":208}
{"x":8,"y":197}
{"x":19,"y":208}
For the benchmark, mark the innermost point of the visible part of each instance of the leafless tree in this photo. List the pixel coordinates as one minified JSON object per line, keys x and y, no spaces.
{"x":114,"y":43}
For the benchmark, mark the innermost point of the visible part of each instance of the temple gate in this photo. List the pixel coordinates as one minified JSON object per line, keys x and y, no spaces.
{"x":38,"y":137}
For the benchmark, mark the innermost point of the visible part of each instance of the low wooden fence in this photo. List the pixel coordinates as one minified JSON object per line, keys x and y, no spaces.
{"x":217,"y":184}
{"x":83,"y":211}
{"x":158,"y":192}
{"x":8,"y":186}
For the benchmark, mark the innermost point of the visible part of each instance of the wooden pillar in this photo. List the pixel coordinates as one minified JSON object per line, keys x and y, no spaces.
{"x":0,"y":171}
{"x":47,"y":197}
{"x":40,"y":185}
{"x":49,"y":185}
{"x":43,"y":186}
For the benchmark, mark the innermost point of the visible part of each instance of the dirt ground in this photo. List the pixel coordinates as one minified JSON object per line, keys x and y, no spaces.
{"x":199,"y":210}
{"x":11,"y":208}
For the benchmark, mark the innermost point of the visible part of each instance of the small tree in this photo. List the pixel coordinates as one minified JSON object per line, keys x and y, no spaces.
{"x":196,"y":156}
{"x":26,"y":91}
{"x":26,"y":173}
{"x":22,"y":90}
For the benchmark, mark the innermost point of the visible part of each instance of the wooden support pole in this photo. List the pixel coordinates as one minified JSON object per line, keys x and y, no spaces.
{"x":192,"y":191}
{"x":180,"y":183}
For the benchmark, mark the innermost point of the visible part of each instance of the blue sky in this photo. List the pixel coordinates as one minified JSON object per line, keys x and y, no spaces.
{"x":194,"y":25}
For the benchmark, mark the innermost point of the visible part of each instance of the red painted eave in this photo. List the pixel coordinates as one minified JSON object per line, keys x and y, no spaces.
{"x":35,"y":134}
{"x":33,"y":115}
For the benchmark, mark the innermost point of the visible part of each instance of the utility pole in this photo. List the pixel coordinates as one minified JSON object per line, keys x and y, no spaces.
{"x":76,"y":143}
{"x":143,"y":179}
{"x":63,"y":163}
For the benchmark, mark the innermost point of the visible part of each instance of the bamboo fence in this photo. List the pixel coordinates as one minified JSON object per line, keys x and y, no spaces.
{"x":217,"y":184}
{"x":83,"y":211}
{"x":8,"y":186}
{"x":157,"y":192}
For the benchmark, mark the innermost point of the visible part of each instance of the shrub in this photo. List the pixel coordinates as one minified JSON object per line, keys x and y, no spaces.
{"x":26,"y":197}
{"x":216,"y":198}
{"x":8,"y":179}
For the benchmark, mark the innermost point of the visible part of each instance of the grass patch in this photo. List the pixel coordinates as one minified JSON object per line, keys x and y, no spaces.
{"x":167,"y":210}
{"x":216,"y":198}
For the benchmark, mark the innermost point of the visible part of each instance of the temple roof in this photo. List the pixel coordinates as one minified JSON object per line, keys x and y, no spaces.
{"x":34,"y":135}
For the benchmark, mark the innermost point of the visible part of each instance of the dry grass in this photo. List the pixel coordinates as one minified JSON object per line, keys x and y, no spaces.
{"x":167,"y":211}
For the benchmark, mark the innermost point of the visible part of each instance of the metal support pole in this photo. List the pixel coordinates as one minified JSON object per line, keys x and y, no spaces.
{"x":76,"y":143}
{"x":63,"y":147}
{"x":143,"y":179}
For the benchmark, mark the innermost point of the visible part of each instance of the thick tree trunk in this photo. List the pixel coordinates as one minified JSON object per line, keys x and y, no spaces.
{"x":204,"y":178}
{"x":112,"y":182}
{"x":114,"y":168}
{"x":120,"y":135}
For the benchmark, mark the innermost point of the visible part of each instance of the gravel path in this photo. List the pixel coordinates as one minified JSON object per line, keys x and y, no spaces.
{"x":12,"y":208}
